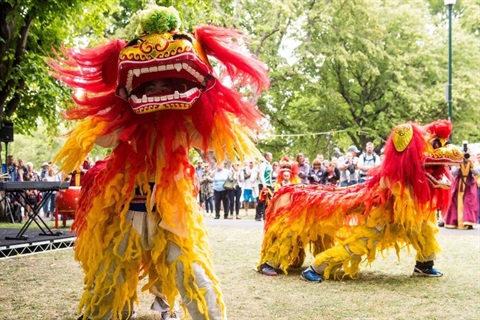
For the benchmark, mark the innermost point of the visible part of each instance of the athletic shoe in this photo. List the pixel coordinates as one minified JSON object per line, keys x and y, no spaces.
{"x":310,"y":275}
{"x":267,"y":270}
{"x":429,"y":272}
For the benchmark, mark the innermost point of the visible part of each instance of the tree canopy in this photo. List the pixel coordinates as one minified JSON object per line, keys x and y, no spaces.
{"x":342,"y":72}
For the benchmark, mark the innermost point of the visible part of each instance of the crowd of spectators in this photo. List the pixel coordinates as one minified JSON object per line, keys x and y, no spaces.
{"x":21,"y":171}
{"x":254,"y":182}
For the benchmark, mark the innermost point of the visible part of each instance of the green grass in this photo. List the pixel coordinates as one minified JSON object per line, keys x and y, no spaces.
{"x":49,"y":285}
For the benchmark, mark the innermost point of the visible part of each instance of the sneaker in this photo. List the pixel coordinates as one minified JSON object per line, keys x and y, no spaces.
{"x":310,"y":275}
{"x":238,"y":218}
{"x":268,"y":270}
{"x":429,"y":272}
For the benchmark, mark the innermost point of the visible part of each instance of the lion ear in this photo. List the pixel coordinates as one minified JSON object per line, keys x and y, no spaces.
{"x":110,"y":65}
{"x":401,"y":136}
{"x":108,"y":76}
{"x":229,"y":48}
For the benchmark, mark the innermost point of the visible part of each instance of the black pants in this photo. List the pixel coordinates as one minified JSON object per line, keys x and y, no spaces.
{"x":221,"y":197}
{"x":261,"y":205}
{"x":234,"y":198}
{"x":424,"y":265}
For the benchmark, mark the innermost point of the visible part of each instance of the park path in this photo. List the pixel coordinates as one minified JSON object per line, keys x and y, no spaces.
{"x":250,"y":223}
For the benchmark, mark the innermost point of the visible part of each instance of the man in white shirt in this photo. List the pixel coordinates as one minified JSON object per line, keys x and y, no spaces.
{"x":250,"y":174}
{"x":367,"y":160}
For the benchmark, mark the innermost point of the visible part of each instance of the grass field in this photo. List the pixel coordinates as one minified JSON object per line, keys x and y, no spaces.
{"x":49,"y":285}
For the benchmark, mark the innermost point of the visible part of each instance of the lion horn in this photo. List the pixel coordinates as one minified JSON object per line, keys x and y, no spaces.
{"x":440,"y":128}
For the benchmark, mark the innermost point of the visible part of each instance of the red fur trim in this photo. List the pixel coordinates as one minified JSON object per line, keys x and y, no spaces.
{"x":225,"y":45}
{"x":407,"y":166}
{"x":86,"y":196}
{"x":440,"y":128}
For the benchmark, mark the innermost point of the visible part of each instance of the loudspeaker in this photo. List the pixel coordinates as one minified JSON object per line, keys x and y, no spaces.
{"x":6,"y":131}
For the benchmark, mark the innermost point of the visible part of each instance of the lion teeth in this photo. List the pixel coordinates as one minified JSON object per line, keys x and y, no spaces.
{"x":129,"y":85}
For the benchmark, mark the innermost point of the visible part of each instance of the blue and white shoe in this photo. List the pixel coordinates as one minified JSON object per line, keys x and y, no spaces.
{"x":429,"y":272}
{"x":310,"y":275}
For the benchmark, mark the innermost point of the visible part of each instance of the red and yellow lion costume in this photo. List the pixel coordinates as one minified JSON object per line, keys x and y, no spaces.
{"x":396,"y":207}
{"x":151,"y":100}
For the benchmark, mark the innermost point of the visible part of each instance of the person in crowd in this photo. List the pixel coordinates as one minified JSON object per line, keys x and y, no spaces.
{"x":250,"y":183}
{"x":11,"y":171}
{"x":21,"y":169}
{"x":220,"y":196}
{"x":275,"y":170}
{"x":11,"y":168}
{"x":285,"y":180}
{"x":321,"y":158}
{"x":199,"y":170}
{"x":476,"y":169}
{"x":32,"y":196}
{"x":265,"y":186}
{"x":331,"y":175}
{"x":334,"y":162}
{"x":44,"y":171}
{"x":234,"y":195}
{"x":463,"y":211}
{"x":49,"y":202}
{"x":316,"y":172}
{"x":30,"y":174}
{"x":76,"y":177}
{"x":303,"y":168}
{"x":206,"y":190}
{"x":366,"y":161}
{"x":347,"y":165}
{"x":287,"y":173}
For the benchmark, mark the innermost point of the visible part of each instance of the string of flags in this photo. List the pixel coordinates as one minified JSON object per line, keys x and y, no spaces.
{"x":313,"y":134}
{"x":310,"y":134}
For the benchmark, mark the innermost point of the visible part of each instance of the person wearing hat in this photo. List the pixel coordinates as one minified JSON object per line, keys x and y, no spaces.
{"x":347,"y":165}
{"x":44,"y":171}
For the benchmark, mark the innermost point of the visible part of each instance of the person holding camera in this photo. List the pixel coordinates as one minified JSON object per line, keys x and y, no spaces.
{"x":303,"y":168}
{"x":331,"y":176}
{"x":463,"y":211}
{"x":348,"y":166}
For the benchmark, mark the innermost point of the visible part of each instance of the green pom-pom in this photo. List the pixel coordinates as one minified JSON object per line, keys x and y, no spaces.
{"x":159,"y":19}
{"x":154,"y":19}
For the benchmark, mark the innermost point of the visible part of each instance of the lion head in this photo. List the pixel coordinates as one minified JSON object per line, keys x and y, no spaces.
{"x":419,"y":158}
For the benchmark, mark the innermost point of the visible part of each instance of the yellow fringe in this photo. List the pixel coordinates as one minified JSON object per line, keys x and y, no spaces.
{"x":412,"y":225}
{"x":80,"y":143}
{"x":107,"y":270}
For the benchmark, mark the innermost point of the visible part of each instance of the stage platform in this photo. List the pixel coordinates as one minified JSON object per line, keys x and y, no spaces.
{"x":34,"y":242}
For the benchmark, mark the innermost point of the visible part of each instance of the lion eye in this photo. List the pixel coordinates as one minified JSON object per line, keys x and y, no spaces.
{"x":134,"y":42}
{"x":181,"y":36}
{"x":435,"y":143}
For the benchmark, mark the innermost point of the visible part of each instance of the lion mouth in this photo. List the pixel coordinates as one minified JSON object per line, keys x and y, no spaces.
{"x":437,"y":162}
{"x":172,"y":83}
{"x":438,"y":180}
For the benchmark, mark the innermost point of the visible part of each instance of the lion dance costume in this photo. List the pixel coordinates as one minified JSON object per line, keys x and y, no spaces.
{"x":395,"y":208}
{"x":152,"y":99}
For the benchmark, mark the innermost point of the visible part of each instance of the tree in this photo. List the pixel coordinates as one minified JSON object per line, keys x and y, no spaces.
{"x":29,"y":31}
{"x":361,"y":67}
